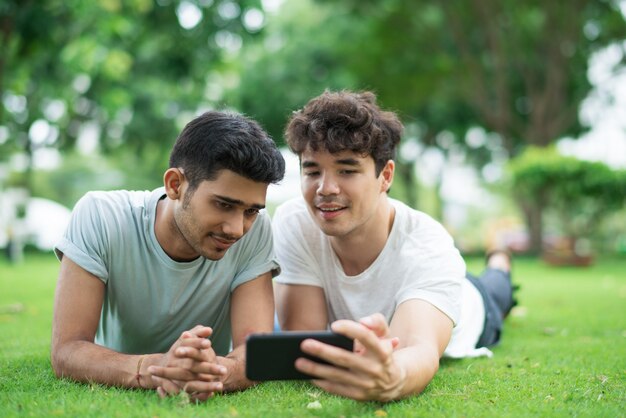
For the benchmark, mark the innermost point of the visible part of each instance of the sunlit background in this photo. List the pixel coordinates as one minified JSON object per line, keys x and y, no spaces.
{"x":501,"y":102}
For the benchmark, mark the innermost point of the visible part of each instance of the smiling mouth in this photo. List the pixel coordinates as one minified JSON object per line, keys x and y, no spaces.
{"x":329,"y":213}
{"x":331,"y":209}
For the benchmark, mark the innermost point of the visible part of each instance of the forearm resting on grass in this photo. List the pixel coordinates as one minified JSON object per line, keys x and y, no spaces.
{"x":77,"y":306}
{"x":75,"y":359}
{"x":422,"y":342}
{"x":85,"y":361}
{"x":388,"y":363}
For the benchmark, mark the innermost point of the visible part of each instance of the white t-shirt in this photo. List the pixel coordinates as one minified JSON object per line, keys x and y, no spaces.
{"x":419,"y":261}
{"x":149,"y":298}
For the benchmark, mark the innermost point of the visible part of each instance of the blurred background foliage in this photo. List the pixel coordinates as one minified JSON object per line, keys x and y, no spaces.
{"x":94,"y":93}
{"x":575,"y":195}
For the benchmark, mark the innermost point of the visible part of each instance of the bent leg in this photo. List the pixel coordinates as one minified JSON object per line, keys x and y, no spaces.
{"x":498,"y":285}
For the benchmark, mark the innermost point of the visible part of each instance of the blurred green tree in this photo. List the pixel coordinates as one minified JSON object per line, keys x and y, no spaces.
{"x":123,"y":75}
{"x":295,"y":60}
{"x":578,"y":195}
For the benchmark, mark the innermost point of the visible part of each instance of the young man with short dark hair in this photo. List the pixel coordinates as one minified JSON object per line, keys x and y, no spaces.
{"x":141,"y":270}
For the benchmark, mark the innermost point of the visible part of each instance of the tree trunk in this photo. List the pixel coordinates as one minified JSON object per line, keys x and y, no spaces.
{"x":534,"y":215}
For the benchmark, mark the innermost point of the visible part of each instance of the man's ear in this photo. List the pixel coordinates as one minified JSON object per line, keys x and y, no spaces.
{"x":387,"y":175}
{"x":173,"y":180}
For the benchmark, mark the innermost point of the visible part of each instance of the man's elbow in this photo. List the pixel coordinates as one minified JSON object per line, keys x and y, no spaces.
{"x":56,"y":362}
{"x":59,"y":361}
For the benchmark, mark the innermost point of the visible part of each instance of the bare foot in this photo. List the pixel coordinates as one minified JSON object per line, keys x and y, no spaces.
{"x":499,"y":260}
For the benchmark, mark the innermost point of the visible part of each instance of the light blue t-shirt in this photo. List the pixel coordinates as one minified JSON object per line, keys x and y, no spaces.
{"x":151,"y":299}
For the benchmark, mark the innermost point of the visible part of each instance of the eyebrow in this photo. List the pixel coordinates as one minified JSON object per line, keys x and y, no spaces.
{"x":348,"y":161}
{"x":237,"y":202}
{"x":309,"y":164}
{"x":342,"y":161}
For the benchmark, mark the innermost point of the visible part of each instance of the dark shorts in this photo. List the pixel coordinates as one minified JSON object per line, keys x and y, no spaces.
{"x":497,"y":291}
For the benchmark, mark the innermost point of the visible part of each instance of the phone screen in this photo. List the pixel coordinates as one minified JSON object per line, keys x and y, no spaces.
{"x":273,"y":356}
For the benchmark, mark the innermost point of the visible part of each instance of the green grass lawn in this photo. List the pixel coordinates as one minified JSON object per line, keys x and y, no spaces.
{"x":563,"y":354}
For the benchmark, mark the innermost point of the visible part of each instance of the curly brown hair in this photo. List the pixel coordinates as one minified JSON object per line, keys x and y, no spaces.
{"x":345,"y":120}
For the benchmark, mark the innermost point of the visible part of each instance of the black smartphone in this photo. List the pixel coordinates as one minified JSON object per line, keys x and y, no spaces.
{"x":273,"y":356}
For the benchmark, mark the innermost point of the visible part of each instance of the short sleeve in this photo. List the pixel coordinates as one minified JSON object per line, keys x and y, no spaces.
{"x":256,"y":255}
{"x":440,"y":272}
{"x":86,"y":239}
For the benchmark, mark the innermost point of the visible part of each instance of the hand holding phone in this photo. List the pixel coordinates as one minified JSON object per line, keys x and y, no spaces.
{"x":273,"y":356}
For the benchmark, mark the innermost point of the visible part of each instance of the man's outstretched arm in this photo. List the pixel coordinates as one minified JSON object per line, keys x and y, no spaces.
{"x":388,"y":362}
{"x":77,"y":306}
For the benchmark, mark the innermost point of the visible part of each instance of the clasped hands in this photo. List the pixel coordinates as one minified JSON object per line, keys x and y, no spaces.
{"x":190,"y":366}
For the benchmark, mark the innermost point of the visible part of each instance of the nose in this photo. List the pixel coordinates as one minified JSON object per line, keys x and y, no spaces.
{"x":234,"y":226}
{"x":327,"y":185}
